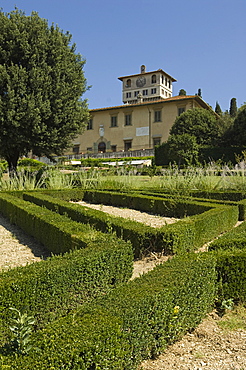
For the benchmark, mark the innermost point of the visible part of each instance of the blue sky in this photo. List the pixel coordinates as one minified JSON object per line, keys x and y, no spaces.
{"x":201,"y":43}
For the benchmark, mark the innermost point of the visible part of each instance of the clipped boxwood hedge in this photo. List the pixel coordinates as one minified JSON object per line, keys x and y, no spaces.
{"x":235,"y":238}
{"x":185,"y":235}
{"x":231,"y":269}
{"x":52,"y":285}
{"x":133,"y":322}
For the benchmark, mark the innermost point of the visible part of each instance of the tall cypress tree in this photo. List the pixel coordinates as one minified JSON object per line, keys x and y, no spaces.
{"x":233,"y":107}
{"x":218,"y":110}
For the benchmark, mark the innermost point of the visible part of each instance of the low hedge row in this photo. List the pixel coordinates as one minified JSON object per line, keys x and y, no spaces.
{"x":231,"y":269}
{"x":213,"y":201}
{"x":51,"y":288}
{"x":235,"y":238}
{"x":140,"y":319}
{"x":185,"y":235}
{"x":142,"y":237}
{"x":168,"y":207}
{"x":192,"y":233}
{"x":135,"y":321}
{"x":229,"y":195}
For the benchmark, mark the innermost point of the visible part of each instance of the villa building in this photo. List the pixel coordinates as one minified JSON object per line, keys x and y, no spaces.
{"x":143,"y":121}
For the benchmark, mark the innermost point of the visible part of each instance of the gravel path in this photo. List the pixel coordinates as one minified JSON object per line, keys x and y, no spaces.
{"x":17,"y":248}
{"x":132,"y":214}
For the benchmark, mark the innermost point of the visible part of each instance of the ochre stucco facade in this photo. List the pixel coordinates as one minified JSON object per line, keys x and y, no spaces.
{"x":133,"y":126}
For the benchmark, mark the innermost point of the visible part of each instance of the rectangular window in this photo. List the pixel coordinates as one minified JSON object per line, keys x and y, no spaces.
{"x":153,"y":91}
{"x":180,"y":111}
{"x":113,"y":121}
{"x":136,"y":93}
{"x":127,"y":145}
{"x":90,"y":125}
{"x":128,"y":120}
{"x":157,"y":117}
{"x":156,"y":141}
{"x":76,"y":149}
{"x":114,"y":148}
{"x":128,"y":95}
{"x":145,"y":92}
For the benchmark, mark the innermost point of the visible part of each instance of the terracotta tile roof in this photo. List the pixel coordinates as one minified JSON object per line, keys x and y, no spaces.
{"x":172,"y":99}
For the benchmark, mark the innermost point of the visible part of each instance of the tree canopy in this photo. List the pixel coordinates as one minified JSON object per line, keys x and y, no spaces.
{"x":182,"y":149}
{"x":239,"y":128}
{"x":41,"y":84}
{"x":198,"y":122}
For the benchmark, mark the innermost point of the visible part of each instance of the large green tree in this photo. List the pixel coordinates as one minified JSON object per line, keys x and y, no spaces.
{"x":182,"y":149}
{"x":239,"y":128}
{"x":41,"y":84}
{"x":198,"y":122}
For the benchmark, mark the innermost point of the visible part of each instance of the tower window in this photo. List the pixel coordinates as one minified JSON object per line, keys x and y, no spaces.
{"x":145,"y":92}
{"x":128,"y":95}
{"x":128,"y":83}
{"x":153,"y":79}
{"x":153,"y":91}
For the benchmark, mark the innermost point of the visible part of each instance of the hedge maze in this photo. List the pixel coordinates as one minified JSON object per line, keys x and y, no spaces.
{"x":89,"y":315}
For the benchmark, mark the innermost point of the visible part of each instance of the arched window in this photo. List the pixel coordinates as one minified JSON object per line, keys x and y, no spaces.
{"x":128,"y":83}
{"x":153,"y":79}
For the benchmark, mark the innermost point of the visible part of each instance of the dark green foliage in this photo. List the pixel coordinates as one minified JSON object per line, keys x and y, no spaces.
{"x":186,"y":235}
{"x":197,"y":122}
{"x":136,"y":321}
{"x":52,"y":288}
{"x":41,"y":83}
{"x":231,"y":268}
{"x":183,"y":149}
{"x":235,"y":238}
{"x":233,"y":107}
{"x":206,"y":154}
{"x":182,"y":92}
{"x":218,"y":109}
{"x":239,"y":128}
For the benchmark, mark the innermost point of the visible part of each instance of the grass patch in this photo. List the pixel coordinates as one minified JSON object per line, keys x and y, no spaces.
{"x":234,"y":319}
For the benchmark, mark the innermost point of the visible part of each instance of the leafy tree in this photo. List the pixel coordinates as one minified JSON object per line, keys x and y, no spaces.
{"x":233,"y":107}
{"x":41,"y":83}
{"x":239,"y":128}
{"x":225,"y":127}
{"x":182,"y":92}
{"x":218,"y":110}
{"x":182,"y":149}
{"x":197,"y":122}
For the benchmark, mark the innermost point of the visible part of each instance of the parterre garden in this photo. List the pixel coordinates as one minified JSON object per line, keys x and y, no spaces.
{"x":88,"y":314}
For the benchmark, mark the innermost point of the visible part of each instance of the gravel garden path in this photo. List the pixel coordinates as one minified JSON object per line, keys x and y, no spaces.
{"x":208,"y":347}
